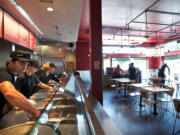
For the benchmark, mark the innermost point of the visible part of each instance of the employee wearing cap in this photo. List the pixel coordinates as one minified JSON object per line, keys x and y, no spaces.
{"x":8,"y":94}
{"x":44,"y":74}
{"x":27,"y":81}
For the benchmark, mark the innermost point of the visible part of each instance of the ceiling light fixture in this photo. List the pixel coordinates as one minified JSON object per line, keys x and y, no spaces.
{"x":50,"y":9}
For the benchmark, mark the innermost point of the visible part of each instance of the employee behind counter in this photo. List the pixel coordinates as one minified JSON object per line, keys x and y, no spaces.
{"x":16,"y":64}
{"x":45,"y":73}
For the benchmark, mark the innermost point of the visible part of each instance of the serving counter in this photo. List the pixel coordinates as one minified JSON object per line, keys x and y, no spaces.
{"x":66,"y":112}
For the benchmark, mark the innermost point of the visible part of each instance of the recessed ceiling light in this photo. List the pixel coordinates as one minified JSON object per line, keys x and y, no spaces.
{"x":50,"y":9}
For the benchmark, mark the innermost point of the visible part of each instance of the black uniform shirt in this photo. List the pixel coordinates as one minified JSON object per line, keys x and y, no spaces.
{"x":26,"y":84}
{"x":132,"y":73}
{"x":52,"y":77}
{"x":41,"y":74}
{"x":5,"y":75}
{"x":161,"y":71}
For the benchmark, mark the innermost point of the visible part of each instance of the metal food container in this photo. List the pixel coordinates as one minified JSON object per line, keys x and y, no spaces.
{"x":23,"y":129}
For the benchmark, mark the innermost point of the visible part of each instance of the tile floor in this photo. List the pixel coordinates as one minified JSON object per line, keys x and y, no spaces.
{"x":124,"y":111}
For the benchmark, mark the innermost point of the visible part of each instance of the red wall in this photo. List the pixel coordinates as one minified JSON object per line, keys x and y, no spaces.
{"x":154,"y":62}
{"x":177,"y":52}
{"x":82,"y":58}
{"x":1,"y":15}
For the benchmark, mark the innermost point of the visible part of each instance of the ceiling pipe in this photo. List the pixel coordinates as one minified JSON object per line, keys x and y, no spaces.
{"x":148,"y":31}
{"x":152,"y":23}
{"x":144,"y":36}
{"x":139,"y":15}
{"x":163,"y":12}
{"x":164,"y":28}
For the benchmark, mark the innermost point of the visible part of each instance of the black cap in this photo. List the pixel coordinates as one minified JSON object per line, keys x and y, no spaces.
{"x":34,"y":63}
{"x":21,"y":55}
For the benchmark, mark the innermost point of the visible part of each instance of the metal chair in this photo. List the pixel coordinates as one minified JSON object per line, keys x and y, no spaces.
{"x":168,"y":98}
{"x":133,"y":92}
{"x":119,"y":87}
{"x":145,"y":98}
{"x":177,"y":108}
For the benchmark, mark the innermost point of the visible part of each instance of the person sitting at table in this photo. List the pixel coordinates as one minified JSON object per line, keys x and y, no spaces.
{"x":28,"y":81}
{"x":132,"y":72}
{"x":117,"y":72}
{"x":161,"y":72}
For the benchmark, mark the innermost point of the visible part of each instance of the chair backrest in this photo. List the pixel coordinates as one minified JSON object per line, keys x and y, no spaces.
{"x":177,"y":104}
{"x":170,"y":93}
{"x":144,"y":94}
{"x":133,"y":81}
{"x":150,"y":83}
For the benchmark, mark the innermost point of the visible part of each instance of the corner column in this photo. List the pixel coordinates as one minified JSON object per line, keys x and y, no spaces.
{"x":95,"y":29}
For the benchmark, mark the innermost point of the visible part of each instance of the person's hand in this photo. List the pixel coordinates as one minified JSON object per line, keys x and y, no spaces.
{"x":50,"y":90}
{"x":50,"y":82}
{"x":37,"y":114}
{"x":17,"y":108}
{"x":60,"y":81}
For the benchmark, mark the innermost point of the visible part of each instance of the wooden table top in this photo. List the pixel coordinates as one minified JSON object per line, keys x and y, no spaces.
{"x":140,"y":85}
{"x":122,"y":80}
{"x":155,"y":89}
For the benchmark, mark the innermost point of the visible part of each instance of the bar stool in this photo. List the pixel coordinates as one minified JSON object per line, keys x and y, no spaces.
{"x":177,"y":108}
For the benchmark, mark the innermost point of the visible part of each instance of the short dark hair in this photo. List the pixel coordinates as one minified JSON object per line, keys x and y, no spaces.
{"x":34,"y":63}
{"x":52,"y":65}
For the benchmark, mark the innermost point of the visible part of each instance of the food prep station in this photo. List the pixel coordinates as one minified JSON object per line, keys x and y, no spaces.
{"x":61,"y":113}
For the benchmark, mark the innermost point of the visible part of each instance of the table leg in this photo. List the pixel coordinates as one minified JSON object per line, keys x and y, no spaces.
{"x":140,"y":102}
{"x":125,"y":90}
{"x":155,"y":111}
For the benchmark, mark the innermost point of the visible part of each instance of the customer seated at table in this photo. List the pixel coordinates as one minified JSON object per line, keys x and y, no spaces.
{"x":132,"y":72}
{"x":28,"y":81}
{"x":117,"y":72}
{"x":161,"y":72}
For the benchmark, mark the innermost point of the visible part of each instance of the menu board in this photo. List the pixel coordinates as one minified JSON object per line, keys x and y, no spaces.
{"x":32,"y":42}
{"x":24,"y":36}
{"x":16,"y":32}
{"x":11,"y":28}
{"x":1,"y":13}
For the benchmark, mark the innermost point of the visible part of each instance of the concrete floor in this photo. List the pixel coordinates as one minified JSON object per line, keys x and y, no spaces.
{"x":124,"y":111}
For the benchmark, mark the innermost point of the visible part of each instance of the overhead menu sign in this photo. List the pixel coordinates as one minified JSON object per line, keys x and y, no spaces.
{"x":1,"y":15}
{"x":17,"y":33}
{"x":11,"y":28}
{"x":24,"y":36}
{"x":32,"y":42}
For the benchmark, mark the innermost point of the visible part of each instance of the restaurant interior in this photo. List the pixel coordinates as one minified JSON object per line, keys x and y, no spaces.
{"x":92,"y":37}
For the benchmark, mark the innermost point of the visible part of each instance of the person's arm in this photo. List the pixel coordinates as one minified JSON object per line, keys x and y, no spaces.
{"x":16,"y":99}
{"x":42,"y":85}
{"x":121,"y":70}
